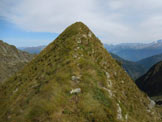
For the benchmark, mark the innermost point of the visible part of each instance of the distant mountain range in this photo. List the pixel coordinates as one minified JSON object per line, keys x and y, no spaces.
{"x":11,"y":60}
{"x":32,"y":50}
{"x":135,"y":51}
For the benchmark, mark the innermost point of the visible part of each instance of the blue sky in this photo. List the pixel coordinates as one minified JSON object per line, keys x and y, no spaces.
{"x":38,"y":22}
{"x":14,"y":35}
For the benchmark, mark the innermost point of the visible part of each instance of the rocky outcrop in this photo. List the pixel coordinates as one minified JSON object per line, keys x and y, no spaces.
{"x":11,"y":60}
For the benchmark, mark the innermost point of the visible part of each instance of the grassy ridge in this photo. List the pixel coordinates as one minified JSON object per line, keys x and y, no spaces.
{"x":76,"y":59}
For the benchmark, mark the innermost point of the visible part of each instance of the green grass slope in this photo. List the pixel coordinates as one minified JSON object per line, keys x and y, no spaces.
{"x":74,"y":79}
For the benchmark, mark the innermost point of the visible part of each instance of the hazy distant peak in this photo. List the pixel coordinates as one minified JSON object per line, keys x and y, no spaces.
{"x":159,"y":41}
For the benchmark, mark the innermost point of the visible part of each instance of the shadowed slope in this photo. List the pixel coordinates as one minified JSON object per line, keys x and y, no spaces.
{"x":151,"y":82}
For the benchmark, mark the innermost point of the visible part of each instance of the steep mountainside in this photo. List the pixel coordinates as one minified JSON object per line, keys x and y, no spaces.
{"x":147,"y":63}
{"x":136,"y":51}
{"x":74,"y":79}
{"x":11,"y":60}
{"x":151,"y":82}
{"x":134,"y":69}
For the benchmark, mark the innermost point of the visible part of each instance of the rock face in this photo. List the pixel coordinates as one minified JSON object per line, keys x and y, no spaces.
{"x":11,"y":60}
{"x":47,"y":89}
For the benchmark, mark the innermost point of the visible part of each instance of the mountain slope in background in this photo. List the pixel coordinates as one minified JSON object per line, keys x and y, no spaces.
{"x":136,"y":51}
{"x":147,"y":63}
{"x":151,"y":82}
{"x":134,"y":69}
{"x":11,"y":60}
{"x":74,"y":79}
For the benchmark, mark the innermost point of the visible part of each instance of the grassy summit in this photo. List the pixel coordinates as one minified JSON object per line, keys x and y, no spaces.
{"x":74,"y":79}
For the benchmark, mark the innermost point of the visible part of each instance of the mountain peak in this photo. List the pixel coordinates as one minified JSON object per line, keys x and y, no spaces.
{"x":77,"y":37}
{"x":77,"y":28}
{"x":79,"y":25}
{"x":73,"y":79}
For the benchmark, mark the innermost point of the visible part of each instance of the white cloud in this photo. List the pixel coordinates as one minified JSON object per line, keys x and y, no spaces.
{"x":113,"y":21}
